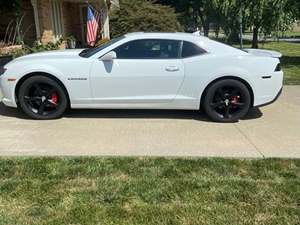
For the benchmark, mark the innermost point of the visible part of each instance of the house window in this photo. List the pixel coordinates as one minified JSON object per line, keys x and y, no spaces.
{"x":57,"y":18}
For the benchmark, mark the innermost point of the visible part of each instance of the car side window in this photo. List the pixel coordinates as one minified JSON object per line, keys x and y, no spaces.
{"x":189,"y":50}
{"x":149,"y":49}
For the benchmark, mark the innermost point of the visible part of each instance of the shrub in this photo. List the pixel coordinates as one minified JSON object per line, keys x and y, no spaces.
{"x":20,"y":50}
{"x":39,"y":47}
{"x":142,"y":15}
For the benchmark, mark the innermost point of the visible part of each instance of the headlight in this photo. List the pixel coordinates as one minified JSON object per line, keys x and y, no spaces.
{"x":2,"y":70}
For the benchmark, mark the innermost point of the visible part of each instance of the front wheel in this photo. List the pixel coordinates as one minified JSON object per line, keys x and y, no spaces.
{"x":227,"y":101}
{"x":42,"y":98}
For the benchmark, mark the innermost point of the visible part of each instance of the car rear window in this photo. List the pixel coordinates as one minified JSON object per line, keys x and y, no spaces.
{"x":189,"y":50}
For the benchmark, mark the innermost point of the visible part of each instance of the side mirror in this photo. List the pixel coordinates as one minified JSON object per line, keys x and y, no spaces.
{"x":110,"y":56}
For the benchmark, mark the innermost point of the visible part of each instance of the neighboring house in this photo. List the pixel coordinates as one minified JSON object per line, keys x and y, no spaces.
{"x":49,"y":20}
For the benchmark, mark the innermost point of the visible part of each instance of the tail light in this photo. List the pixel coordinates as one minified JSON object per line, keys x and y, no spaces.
{"x":278,"y":68}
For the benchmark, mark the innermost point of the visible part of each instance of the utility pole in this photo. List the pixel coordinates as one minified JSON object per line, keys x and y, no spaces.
{"x":241,"y":28}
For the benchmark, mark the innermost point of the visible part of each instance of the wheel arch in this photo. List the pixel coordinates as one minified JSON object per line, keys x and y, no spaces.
{"x":250,"y":89}
{"x":25,"y":77}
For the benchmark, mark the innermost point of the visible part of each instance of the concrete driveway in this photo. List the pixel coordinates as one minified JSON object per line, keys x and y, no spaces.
{"x":272,"y":131}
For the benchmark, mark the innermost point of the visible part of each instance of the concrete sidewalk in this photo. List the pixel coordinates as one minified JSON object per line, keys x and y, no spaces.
{"x":272,"y":131}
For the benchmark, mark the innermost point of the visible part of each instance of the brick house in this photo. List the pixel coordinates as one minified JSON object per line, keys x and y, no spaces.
{"x":49,"y":20}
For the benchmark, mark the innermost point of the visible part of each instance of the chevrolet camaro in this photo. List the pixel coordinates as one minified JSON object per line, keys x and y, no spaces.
{"x":144,"y":71}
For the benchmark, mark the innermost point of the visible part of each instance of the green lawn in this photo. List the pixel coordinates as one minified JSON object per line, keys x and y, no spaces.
{"x":290,"y":60}
{"x":290,"y":34}
{"x":137,"y":191}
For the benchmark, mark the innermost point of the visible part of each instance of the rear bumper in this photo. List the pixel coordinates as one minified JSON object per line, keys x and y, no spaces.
{"x":272,"y":101}
{"x":267,"y":88}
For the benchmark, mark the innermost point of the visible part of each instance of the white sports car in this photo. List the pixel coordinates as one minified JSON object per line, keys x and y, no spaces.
{"x":144,"y":71}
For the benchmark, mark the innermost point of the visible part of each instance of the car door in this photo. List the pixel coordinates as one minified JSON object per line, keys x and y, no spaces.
{"x":146,"y":71}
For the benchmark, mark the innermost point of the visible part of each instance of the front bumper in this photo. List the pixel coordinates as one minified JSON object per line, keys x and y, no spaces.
{"x":7,"y":93}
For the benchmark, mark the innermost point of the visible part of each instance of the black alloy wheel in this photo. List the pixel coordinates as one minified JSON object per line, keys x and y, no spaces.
{"x":42,"y":98}
{"x":227,"y":101}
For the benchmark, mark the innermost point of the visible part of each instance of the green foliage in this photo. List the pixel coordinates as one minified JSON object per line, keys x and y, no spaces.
{"x":141,"y":15}
{"x":37,"y":47}
{"x":265,"y":16}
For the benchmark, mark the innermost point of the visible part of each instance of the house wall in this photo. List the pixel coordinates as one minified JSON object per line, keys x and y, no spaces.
{"x":72,"y":23}
{"x":28,"y":25}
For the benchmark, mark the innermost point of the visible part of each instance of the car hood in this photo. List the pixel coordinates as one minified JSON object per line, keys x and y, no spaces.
{"x":57,"y":54}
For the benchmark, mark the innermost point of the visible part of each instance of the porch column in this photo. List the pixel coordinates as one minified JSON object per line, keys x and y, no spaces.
{"x":36,"y":19}
{"x":106,"y":31}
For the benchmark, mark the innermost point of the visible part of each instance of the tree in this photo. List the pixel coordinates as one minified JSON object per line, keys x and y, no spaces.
{"x":261,"y":16}
{"x":141,"y":15}
{"x":195,"y":13}
{"x":229,"y":13}
{"x":267,"y":16}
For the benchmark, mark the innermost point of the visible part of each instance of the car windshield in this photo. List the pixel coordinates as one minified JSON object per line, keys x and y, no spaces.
{"x":86,"y":53}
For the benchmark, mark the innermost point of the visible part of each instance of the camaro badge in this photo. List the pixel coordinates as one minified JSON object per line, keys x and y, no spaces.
{"x":77,"y":78}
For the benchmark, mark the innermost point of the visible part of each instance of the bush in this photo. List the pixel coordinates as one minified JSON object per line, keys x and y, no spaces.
{"x":39,"y":47}
{"x":20,"y":50}
{"x":141,"y":15}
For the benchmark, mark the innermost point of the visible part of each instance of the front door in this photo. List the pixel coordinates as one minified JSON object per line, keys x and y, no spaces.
{"x":146,"y":72}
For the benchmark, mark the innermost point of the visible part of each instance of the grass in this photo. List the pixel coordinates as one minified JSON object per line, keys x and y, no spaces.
{"x":290,"y":34}
{"x":137,"y":191}
{"x":290,"y":61}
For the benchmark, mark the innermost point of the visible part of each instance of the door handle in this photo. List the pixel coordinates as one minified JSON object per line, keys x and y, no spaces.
{"x":172,"y":69}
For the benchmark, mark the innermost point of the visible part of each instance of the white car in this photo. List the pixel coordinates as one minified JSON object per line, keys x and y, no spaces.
{"x":144,"y":71}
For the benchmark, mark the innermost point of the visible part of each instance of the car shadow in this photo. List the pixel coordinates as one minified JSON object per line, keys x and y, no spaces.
{"x":254,"y":113}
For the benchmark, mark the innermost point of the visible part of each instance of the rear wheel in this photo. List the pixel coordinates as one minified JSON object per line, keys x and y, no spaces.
{"x":42,"y":98}
{"x":227,"y":101}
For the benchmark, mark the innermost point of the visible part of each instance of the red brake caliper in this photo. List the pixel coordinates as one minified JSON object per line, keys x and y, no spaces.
{"x":54,"y":98}
{"x":235,"y":100}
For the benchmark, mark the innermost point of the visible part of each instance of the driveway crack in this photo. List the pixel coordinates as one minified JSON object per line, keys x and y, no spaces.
{"x":249,"y":140}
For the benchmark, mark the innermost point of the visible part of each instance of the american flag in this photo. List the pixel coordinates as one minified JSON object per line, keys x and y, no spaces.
{"x":93,"y":18}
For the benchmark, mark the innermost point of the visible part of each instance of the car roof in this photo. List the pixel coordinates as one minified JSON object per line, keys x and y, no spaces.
{"x":164,"y":35}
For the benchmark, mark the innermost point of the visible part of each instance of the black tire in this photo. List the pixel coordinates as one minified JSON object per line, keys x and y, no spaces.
{"x":42,"y":98}
{"x":227,"y":100}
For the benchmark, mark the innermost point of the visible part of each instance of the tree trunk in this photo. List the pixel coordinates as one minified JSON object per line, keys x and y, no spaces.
{"x":204,"y":22}
{"x":233,"y":36}
{"x":206,"y":28}
{"x":255,"y":37}
{"x":217,"y":31}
